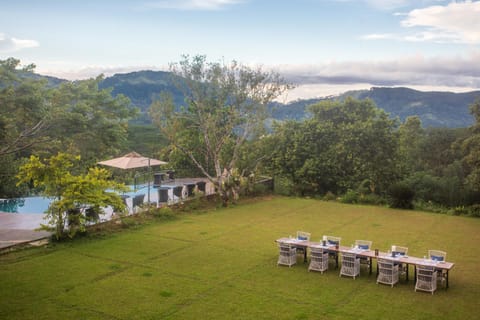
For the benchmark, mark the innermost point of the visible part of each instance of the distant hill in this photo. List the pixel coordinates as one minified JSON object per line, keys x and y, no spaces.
{"x":435,"y":109}
{"x":142,"y":86}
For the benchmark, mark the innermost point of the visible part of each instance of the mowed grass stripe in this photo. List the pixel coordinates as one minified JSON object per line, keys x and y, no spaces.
{"x":222,"y":264}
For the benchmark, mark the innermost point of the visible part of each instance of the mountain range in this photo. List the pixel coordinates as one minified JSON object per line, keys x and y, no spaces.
{"x":435,"y":109}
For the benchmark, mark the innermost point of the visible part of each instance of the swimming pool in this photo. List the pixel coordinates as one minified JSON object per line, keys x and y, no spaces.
{"x":25,"y":205}
{"x":39,"y":205}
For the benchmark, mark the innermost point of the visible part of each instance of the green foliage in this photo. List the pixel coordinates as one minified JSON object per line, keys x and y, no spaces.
{"x":401,"y":196}
{"x":470,"y":148}
{"x":344,"y":144}
{"x":41,"y":119}
{"x":164,"y":213}
{"x":329,"y":196}
{"x":72,"y":192}
{"x":283,"y":186}
{"x":225,"y":105}
{"x":350,"y":196}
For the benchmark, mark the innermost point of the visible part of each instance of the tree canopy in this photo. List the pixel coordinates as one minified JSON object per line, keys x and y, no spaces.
{"x":225,"y":104}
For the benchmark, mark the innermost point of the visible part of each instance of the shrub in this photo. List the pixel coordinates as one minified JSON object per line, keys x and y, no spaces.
{"x":349,"y":197}
{"x":283,"y":186}
{"x":164,"y":213}
{"x":474,"y":210}
{"x":260,"y":189}
{"x":329,"y":196}
{"x":430,"y":206}
{"x":371,"y":199}
{"x":401,"y":196}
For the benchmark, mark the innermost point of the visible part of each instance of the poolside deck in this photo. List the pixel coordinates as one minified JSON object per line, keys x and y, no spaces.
{"x":20,"y":228}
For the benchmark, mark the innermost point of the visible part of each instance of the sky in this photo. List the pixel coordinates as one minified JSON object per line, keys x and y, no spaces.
{"x":323,"y":47}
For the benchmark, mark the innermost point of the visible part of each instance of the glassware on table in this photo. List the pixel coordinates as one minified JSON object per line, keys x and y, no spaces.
{"x":376,"y":252}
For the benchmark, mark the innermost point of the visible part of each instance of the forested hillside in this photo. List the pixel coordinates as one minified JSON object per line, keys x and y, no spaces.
{"x":435,"y":109}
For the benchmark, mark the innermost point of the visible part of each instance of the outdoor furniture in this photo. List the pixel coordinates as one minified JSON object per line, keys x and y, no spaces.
{"x":364,"y":245}
{"x":426,"y":279}
{"x":387,"y":272}
{"x":201,"y":186}
{"x":333,"y":241}
{"x":439,"y":256}
{"x":303,"y":236}
{"x":137,"y":201}
{"x":399,"y":251}
{"x":287,"y":255}
{"x":350,"y":265}
{"x":318,"y":259}
{"x":163,"y":194}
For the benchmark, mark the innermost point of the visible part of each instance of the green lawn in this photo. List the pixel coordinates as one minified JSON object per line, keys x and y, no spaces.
{"x":222,"y":265}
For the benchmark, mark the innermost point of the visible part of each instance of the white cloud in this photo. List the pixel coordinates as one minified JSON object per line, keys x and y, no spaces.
{"x":11,"y":44}
{"x":71,"y":71}
{"x":193,"y":4}
{"x":454,"y":72}
{"x":456,"y":22}
{"x":387,"y":5}
{"x":379,"y":36}
{"x":453,"y":23}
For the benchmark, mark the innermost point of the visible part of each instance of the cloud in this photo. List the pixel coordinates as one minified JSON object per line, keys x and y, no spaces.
{"x":454,"y":72}
{"x":456,"y":22}
{"x":388,"y":5}
{"x":70,"y":71}
{"x":193,"y":4}
{"x":10,"y":44}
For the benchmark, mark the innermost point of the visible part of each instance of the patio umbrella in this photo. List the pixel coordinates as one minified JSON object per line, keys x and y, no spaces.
{"x":132,"y":160}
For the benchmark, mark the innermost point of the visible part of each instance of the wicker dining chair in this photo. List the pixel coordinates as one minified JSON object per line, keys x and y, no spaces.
{"x":426,"y":279}
{"x":350,"y":265}
{"x":331,"y":240}
{"x":287,"y":254}
{"x":318,"y":259}
{"x":364,"y":245}
{"x":439,"y":256}
{"x":302,"y":235}
{"x":401,"y":251}
{"x":387,"y":272}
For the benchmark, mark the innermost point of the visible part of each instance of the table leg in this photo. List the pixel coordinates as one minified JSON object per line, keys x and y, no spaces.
{"x":447,"y":279}
{"x":305,"y":255}
{"x":406,"y":272}
{"x":370,"y":265}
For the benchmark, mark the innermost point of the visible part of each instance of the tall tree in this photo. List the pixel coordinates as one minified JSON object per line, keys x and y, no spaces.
{"x":24,"y":105}
{"x":88,"y":121}
{"x":411,"y":137}
{"x":344,"y":145}
{"x":225,"y":105}
{"x":72,"y":192}
{"x":471,"y":150}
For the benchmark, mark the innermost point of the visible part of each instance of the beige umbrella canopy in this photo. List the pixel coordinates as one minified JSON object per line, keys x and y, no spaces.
{"x":132,"y":160}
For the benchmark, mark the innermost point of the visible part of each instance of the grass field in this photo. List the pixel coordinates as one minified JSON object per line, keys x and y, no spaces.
{"x":222,"y":265}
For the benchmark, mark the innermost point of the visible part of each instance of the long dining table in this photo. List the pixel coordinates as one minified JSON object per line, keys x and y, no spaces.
{"x":372,"y":254}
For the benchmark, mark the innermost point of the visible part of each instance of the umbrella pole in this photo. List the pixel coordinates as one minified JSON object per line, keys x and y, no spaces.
{"x":148,"y":177}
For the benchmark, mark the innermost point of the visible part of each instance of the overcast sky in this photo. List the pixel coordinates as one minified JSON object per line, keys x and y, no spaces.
{"x":323,"y":46}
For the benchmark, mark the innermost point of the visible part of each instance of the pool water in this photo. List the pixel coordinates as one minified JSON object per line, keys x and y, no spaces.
{"x":25,"y":205}
{"x":40,"y":204}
